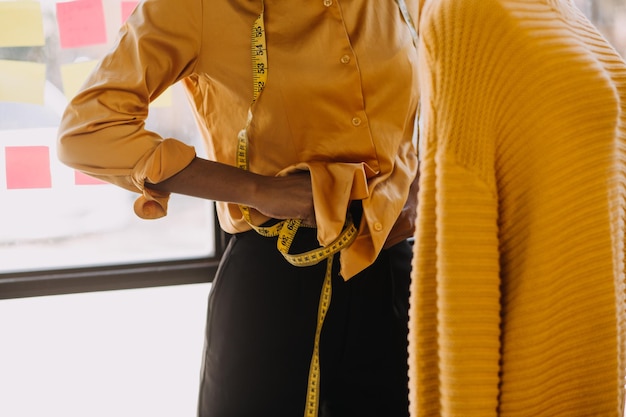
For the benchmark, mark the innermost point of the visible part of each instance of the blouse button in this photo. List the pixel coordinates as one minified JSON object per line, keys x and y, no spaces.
{"x":328,"y":3}
{"x":356,"y":121}
{"x":378,"y":226}
{"x":345,"y":59}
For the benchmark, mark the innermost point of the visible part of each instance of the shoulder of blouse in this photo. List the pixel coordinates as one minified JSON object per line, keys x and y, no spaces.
{"x":176,"y":25}
{"x":157,"y":46}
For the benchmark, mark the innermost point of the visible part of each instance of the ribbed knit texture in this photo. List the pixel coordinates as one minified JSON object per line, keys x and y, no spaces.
{"x":517,"y":300}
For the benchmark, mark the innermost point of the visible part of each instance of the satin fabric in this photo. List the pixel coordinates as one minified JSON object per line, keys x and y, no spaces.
{"x":340,"y":101}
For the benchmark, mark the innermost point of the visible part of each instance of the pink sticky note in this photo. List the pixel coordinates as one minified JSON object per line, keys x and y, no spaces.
{"x":81,"y":23}
{"x":28,"y":167}
{"x":83,"y":179}
{"x":127,"y":8}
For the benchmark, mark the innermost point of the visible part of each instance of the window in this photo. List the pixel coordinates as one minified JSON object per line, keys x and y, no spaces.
{"x":130,"y":352}
{"x":53,"y":218}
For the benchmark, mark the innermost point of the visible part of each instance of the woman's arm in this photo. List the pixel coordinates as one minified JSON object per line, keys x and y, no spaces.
{"x":287,"y":197}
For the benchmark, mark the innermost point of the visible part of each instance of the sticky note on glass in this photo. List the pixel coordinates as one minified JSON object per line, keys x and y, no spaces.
{"x":22,"y":82}
{"x":81,"y":23}
{"x":21,"y":24}
{"x":127,"y":8}
{"x":74,"y":75}
{"x":28,"y":167}
{"x":84,"y":179}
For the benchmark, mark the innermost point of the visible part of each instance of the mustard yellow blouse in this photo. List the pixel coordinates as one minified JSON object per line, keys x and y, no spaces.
{"x":517,"y":300}
{"x":340,"y":101}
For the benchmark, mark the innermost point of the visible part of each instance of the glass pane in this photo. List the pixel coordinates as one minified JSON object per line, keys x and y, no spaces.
{"x":130,"y":353}
{"x":50,"y":215}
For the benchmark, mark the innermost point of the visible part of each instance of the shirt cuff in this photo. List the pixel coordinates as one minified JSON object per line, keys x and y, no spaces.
{"x":335,"y":185}
{"x":169,"y":158}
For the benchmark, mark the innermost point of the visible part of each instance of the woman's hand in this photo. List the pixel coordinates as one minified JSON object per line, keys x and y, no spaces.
{"x":288,"y":197}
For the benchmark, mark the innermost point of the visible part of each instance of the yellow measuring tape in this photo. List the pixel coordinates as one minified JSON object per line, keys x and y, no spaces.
{"x":286,"y":230}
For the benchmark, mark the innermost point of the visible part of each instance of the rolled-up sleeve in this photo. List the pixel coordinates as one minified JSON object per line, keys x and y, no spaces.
{"x":103,"y":133}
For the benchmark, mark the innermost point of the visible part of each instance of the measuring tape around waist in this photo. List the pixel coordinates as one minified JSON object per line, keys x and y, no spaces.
{"x":285,"y":230}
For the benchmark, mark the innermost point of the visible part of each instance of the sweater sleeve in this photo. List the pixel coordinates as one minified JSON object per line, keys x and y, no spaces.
{"x":518,"y":284}
{"x":103,"y":133}
{"x":455,"y":309}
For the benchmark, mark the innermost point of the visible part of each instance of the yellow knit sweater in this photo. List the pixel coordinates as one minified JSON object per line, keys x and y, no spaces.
{"x":517,"y":301}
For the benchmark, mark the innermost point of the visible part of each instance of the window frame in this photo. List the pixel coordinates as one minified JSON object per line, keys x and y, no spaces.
{"x":114,"y":277}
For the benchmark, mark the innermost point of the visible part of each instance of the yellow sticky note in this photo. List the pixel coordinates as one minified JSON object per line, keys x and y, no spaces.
{"x":74,"y":75}
{"x":164,"y":100}
{"x":21,"y":24}
{"x":22,"y":81}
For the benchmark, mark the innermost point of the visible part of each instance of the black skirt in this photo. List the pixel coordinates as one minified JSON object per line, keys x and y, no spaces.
{"x":261,"y":323}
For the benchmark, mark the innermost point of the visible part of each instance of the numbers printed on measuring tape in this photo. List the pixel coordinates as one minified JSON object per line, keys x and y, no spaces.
{"x":259,"y":57}
{"x":286,"y":230}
